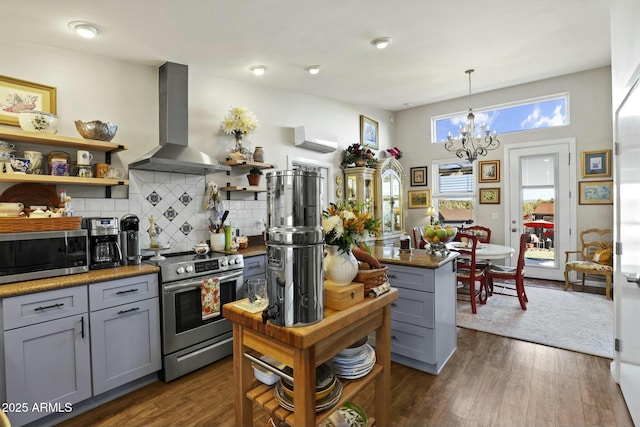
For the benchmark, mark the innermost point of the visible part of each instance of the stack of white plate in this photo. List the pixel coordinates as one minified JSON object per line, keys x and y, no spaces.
{"x":354,"y":362}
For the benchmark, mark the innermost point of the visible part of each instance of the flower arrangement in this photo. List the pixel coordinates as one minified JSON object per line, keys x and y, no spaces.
{"x":358,"y":154}
{"x":239,"y":121}
{"x":395,"y":152}
{"x":343,"y":225}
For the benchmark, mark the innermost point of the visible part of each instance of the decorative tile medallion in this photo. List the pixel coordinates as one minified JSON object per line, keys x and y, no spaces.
{"x":185,"y":199}
{"x":170,"y":214}
{"x":154,"y":198}
{"x":186,"y":228}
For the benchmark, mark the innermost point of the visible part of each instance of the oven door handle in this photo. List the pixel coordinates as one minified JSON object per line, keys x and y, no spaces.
{"x":196,"y":283}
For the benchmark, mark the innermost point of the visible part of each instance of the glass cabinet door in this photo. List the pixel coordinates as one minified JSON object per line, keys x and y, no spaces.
{"x":360,"y":188}
{"x":390,"y":208}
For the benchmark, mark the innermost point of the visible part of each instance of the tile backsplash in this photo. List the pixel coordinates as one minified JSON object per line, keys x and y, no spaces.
{"x":176,"y":202}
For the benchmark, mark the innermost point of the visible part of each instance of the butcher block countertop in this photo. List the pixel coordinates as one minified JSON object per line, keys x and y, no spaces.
{"x":410,"y":258}
{"x":93,"y":276}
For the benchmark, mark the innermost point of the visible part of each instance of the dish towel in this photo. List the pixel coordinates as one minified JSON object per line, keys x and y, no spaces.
{"x":210,"y":295}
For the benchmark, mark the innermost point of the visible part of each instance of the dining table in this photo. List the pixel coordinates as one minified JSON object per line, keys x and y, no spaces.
{"x":484,"y":251}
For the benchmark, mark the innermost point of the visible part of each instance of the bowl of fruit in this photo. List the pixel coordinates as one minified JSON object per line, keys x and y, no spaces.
{"x":437,"y":234}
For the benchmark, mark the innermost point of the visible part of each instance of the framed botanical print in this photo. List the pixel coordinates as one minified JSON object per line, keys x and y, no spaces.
{"x":369,"y":132}
{"x":419,"y":176}
{"x":489,"y":196}
{"x":596,"y":193}
{"x":21,"y":95}
{"x":489,"y":171}
{"x":596,"y":164}
{"x":419,"y":199}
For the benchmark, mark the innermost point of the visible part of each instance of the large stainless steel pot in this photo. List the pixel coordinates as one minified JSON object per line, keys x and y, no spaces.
{"x":295,"y":242}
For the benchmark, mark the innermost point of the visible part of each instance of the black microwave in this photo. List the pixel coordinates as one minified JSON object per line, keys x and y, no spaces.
{"x":41,"y":254}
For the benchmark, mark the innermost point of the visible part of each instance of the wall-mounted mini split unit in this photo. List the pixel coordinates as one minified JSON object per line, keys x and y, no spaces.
{"x":314,"y":140}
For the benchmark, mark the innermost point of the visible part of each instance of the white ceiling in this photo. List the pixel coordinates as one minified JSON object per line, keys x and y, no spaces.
{"x":507,"y":42}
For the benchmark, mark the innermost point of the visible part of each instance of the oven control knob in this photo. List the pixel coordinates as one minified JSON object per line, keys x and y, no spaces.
{"x":180,"y":270}
{"x":223,"y":262}
{"x":237,"y":260}
{"x":189,"y":268}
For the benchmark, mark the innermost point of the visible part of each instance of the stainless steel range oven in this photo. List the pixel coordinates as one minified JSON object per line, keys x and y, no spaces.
{"x":191,"y":340}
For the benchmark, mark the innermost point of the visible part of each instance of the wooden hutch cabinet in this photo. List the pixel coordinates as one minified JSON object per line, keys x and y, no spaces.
{"x":389,"y":200}
{"x":379,"y":191}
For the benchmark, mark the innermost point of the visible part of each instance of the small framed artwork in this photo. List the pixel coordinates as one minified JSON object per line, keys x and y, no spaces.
{"x":596,"y":164}
{"x":489,"y":171}
{"x":489,"y":196}
{"x":596,"y":193}
{"x":419,"y":199}
{"x":368,"y":132}
{"x":18,"y":95}
{"x":419,"y":176}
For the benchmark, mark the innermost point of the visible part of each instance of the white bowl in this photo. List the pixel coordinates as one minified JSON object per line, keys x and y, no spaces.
{"x":38,"y":121}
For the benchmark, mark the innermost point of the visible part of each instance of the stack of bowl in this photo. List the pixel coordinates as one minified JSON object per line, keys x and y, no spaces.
{"x":328,"y":389}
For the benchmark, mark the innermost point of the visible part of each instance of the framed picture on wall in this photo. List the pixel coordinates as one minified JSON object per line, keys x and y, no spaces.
{"x":419,"y":176}
{"x":596,"y":193}
{"x":419,"y":199}
{"x":489,"y":171}
{"x":21,"y":95}
{"x":369,"y":132}
{"x":596,"y":164}
{"x":489,"y":196}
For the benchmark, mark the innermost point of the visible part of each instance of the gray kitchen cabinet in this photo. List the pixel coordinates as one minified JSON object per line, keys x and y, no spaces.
{"x":125,"y":331}
{"x":423,"y":318}
{"x":255,"y":267}
{"x":47,"y":357}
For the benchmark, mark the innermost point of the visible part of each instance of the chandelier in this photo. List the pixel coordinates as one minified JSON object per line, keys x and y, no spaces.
{"x":469,"y":145}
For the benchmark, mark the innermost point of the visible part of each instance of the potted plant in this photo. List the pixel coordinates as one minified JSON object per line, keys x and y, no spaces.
{"x":254,"y":176}
{"x":359,"y":155}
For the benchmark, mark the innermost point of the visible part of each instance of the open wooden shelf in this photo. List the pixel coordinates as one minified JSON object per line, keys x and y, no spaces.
{"x":263,"y":396}
{"x":245,"y":164}
{"x":60,"y":141}
{"x":69,"y":180}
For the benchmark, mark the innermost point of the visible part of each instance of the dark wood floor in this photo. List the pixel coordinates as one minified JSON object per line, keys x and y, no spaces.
{"x":489,"y":381}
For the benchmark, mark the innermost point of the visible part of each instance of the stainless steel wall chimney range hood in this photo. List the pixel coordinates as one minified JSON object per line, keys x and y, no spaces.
{"x":174,"y":154}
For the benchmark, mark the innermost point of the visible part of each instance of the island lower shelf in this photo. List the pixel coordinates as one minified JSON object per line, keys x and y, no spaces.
{"x":263,"y":396}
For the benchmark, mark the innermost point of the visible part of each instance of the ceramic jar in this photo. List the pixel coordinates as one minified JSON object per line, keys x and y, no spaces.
{"x":258,"y":155}
{"x":340,"y":267}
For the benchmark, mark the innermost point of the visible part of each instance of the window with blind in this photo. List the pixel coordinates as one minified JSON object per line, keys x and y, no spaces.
{"x":454,"y":192}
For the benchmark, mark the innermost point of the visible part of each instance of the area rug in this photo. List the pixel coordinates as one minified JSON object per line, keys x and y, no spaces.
{"x":575,"y":321}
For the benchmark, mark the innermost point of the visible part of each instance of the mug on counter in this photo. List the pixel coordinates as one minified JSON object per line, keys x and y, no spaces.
{"x":36,"y":161}
{"x":84,"y":157}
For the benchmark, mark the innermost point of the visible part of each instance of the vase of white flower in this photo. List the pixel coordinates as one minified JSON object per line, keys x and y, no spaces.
{"x":343,"y":228}
{"x":239,"y":122}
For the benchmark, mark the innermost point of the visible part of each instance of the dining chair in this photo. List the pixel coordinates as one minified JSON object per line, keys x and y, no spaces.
{"x":418,"y":238}
{"x":505,"y":272}
{"x":594,"y":257}
{"x":468,"y":274}
{"x":482,"y":233}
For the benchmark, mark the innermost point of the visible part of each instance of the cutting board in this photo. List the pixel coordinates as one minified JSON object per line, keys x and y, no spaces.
{"x":30,"y":194}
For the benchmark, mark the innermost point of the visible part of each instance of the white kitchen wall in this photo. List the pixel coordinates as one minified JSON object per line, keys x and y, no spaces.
{"x":590,"y":123}
{"x":93,"y":87}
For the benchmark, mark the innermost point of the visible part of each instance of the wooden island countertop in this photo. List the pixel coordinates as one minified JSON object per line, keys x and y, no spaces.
{"x":411,"y":258}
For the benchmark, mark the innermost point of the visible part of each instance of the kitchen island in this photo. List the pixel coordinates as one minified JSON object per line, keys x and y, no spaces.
{"x":423,"y":319}
{"x":304,"y":348}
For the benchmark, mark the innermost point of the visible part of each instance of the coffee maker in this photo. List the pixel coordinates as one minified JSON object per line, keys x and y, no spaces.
{"x":130,"y":240}
{"x":104,"y":246}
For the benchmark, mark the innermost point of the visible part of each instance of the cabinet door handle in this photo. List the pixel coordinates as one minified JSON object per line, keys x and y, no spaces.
{"x":392,"y":276}
{"x":394,"y":338}
{"x":60,"y":304}
{"x":127,"y":291}
{"x":393,"y":304}
{"x":252,"y":267}
{"x":82,"y":327}
{"x":129,"y":311}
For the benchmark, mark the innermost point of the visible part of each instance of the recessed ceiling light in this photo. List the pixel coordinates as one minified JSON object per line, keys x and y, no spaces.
{"x":313,"y":69}
{"x":84,"y":29}
{"x":258,"y":70}
{"x":381,"y":42}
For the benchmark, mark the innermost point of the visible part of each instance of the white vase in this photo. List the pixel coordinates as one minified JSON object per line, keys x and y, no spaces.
{"x":339,"y":267}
